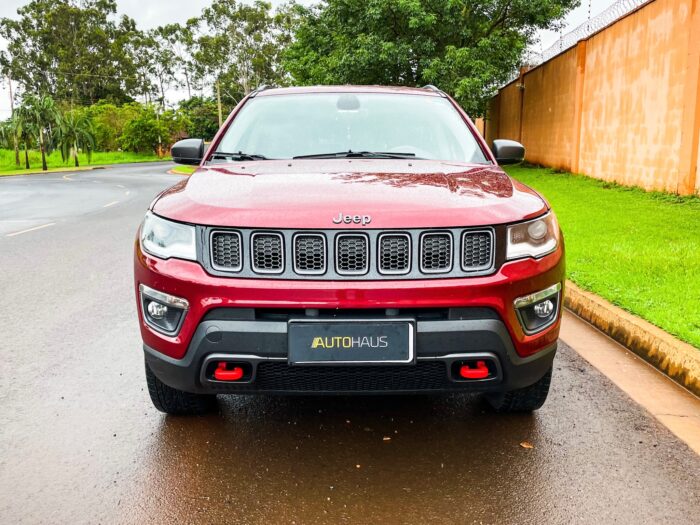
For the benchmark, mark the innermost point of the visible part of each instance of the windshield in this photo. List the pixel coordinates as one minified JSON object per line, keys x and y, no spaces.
{"x":287,"y":126}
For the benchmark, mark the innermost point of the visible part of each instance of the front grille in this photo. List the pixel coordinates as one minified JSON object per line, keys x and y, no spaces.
{"x":343,"y":254}
{"x":352,"y":257}
{"x":477,"y":250}
{"x":436,"y":252}
{"x":394,"y":253}
{"x":423,"y":376}
{"x":309,"y":253}
{"x":226,"y":250}
{"x":268,"y":253}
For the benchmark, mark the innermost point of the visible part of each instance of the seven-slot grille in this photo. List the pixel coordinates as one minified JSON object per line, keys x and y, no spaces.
{"x":436,"y":252}
{"x":477,"y":251}
{"x":337,"y":254}
{"x":268,"y":253}
{"x":352,"y":254}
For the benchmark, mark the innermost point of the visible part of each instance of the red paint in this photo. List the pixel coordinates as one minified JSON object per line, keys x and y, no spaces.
{"x":309,"y":193}
{"x":189,"y":280}
{"x":481,"y":371}
{"x":223,"y":374}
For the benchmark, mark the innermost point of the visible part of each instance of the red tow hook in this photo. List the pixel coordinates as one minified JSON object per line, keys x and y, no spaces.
{"x":480,"y":372}
{"x":221,"y":374}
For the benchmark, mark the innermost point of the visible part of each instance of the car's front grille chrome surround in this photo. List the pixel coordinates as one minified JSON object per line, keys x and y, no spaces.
{"x":268,"y":252}
{"x":226,"y":250}
{"x":477,"y":250}
{"x":309,"y":253}
{"x":394,"y":253}
{"x":349,"y":254}
{"x":436,"y":252}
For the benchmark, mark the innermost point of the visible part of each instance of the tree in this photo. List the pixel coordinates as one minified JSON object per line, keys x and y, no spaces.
{"x":237,"y":47}
{"x":151,"y":129}
{"x":25,"y":130}
{"x":179,"y":41}
{"x":39,"y":115}
{"x":202,"y":115}
{"x":466,"y":47}
{"x":73,"y":133}
{"x":73,"y":50}
{"x":109,"y":121}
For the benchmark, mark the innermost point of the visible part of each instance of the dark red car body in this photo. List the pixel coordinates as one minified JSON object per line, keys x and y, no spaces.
{"x":304,"y":195}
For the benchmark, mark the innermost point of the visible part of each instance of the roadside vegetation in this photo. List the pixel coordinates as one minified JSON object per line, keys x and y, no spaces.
{"x":639,"y":250}
{"x":86,"y":80}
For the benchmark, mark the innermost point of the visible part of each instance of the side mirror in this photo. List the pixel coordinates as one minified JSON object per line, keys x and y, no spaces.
{"x":188,"y":151}
{"x":508,"y":151}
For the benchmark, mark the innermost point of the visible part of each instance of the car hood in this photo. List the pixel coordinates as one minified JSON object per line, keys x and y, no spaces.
{"x":310,"y":193}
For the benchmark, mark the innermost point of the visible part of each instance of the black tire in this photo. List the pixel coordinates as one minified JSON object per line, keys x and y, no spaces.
{"x":522,"y":400}
{"x":176,"y":402}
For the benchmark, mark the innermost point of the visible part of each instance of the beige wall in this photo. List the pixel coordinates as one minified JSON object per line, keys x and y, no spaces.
{"x":549,"y":133}
{"x":622,"y":106}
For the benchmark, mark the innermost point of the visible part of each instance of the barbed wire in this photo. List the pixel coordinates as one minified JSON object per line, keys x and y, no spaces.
{"x":583,"y":31}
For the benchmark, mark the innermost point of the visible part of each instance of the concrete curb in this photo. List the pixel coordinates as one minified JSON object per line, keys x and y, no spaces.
{"x":678,"y":360}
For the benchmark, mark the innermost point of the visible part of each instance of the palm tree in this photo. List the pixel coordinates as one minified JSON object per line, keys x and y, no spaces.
{"x":25,"y":130}
{"x":42,"y":115}
{"x":75,"y":132}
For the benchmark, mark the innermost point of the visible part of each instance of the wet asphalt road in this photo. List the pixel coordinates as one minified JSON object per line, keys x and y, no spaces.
{"x":81,"y":443}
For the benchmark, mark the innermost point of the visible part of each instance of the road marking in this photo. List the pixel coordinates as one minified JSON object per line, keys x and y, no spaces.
{"x":30,"y":229}
{"x":121,"y":186}
{"x":127,"y":192}
{"x":110,"y":204}
{"x":66,"y":177}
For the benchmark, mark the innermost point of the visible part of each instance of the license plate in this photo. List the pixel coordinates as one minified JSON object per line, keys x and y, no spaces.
{"x":351,"y":342}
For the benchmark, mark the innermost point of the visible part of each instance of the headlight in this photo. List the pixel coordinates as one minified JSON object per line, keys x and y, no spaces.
{"x":167,"y":239}
{"x":533,"y":238}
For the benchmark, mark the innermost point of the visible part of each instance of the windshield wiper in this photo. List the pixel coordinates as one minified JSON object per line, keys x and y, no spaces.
{"x":359,"y":155}
{"x":237,"y":156}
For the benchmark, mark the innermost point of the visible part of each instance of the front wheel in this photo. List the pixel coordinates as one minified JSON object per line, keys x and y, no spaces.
{"x":177,"y":402}
{"x":523,"y":399}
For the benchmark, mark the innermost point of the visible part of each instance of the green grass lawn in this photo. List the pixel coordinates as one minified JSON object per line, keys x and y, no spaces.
{"x":99,"y":158}
{"x":638,"y":250}
{"x":185,"y":170}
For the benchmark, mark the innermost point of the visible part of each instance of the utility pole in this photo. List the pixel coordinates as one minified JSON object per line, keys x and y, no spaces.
{"x":12,"y":114}
{"x":218,"y":101}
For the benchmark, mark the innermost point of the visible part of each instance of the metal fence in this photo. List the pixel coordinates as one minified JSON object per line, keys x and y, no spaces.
{"x":583,"y":31}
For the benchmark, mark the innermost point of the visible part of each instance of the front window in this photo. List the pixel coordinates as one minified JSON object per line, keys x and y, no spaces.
{"x":288,"y":126}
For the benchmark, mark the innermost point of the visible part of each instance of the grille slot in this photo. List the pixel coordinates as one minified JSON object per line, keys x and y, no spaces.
{"x":477,"y":250}
{"x":226,"y":251}
{"x":309,"y":253}
{"x":352,"y":254}
{"x":394,"y":253}
{"x":436,"y":252}
{"x":267,"y":253}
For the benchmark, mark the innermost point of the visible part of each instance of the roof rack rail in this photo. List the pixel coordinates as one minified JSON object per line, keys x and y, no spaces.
{"x":434,"y":88}
{"x":260,"y":88}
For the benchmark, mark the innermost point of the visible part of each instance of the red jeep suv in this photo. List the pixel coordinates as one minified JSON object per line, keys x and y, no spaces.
{"x":342,"y":240}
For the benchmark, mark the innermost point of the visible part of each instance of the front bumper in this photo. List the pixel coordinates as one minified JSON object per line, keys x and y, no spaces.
{"x":261,"y":347}
{"x":488,"y":323}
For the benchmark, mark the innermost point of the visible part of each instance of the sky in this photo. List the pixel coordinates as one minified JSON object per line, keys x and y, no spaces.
{"x":152,"y":13}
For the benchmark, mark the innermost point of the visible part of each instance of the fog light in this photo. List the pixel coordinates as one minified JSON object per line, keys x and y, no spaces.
{"x":157,"y":310}
{"x":544,"y":309}
{"x":161,"y":311}
{"x":538,"y":310}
